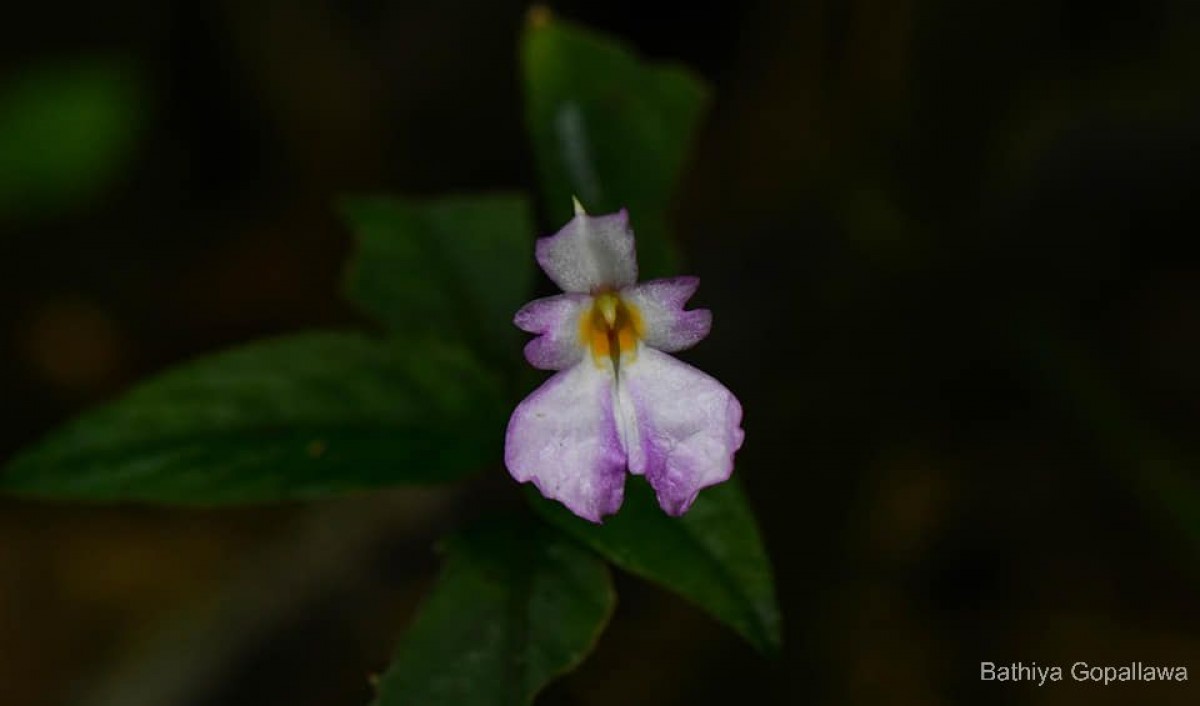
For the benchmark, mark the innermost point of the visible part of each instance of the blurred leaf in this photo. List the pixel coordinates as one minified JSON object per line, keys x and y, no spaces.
{"x":713,"y":555}
{"x":610,"y":129}
{"x":515,"y":607}
{"x":295,"y":417}
{"x":457,"y":267}
{"x":1161,"y":474}
{"x":64,"y":132}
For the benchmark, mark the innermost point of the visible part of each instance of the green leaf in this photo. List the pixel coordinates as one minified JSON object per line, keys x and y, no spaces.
{"x":608,"y":128}
{"x":456,"y":267}
{"x":516,"y":606}
{"x":713,"y":555}
{"x":296,"y":417}
{"x":65,"y":131}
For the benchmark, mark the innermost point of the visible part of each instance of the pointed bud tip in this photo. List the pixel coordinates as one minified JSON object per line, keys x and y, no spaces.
{"x":578,"y":207}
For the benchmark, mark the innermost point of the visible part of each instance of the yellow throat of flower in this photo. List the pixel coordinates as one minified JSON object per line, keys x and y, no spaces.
{"x":611,"y":328}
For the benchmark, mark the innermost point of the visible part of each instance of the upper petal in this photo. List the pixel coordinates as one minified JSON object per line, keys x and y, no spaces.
{"x":556,"y":319}
{"x":590,"y":253}
{"x":667,"y":326}
{"x":681,"y":427}
{"x":563,"y":438}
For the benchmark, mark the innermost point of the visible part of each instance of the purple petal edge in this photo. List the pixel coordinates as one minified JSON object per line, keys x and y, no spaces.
{"x":556,"y":320}
{"x":688,"y":428}
{"x":668,"y":327}
{"x":563,"y":438}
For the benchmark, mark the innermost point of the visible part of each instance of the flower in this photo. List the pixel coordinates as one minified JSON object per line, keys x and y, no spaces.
{"x":618,"y":401}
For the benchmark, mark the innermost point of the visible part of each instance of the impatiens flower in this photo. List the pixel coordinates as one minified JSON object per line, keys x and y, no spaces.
{"x":618,"y":401}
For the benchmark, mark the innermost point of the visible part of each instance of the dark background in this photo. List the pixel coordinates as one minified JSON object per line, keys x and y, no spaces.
{"x":951,"y":250}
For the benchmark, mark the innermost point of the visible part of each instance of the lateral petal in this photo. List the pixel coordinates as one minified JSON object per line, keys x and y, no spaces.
{"x":667,"y":326}
{"x":590,"y":253}
{"x":681,"y":427}
{"x":563,"y":438}
{"x":556,"y":320}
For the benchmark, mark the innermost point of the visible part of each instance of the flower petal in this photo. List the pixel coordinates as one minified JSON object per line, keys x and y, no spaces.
{"x":681,"y":427}
{"x":556,"y":319}
{"x":667,"y":326}
{"x":589,"y":253}
{"x":563,"y":438}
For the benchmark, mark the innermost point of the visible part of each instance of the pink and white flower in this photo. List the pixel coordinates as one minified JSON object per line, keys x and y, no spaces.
{"x":618,"y":401}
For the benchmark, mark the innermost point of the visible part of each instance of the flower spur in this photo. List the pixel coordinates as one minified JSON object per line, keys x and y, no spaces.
{"x":618,"y":400}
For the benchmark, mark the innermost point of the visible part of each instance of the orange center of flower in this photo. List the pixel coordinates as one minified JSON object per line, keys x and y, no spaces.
{"x":611,"y":328}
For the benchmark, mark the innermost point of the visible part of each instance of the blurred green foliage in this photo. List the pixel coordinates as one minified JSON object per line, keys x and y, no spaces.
{"x":1155,"y":471}
{"x":610,"y":129}
{"x":65,"y":132}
